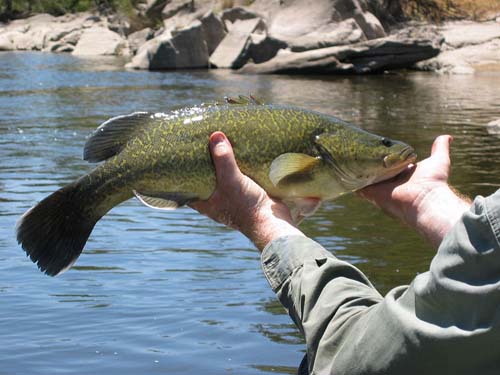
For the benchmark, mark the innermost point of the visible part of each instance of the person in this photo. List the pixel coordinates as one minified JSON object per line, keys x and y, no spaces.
{"x":447,"y":321}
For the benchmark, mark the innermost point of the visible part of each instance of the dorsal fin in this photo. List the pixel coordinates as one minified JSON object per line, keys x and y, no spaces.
{"x":110,"y":138}
{"x":242,"y":100}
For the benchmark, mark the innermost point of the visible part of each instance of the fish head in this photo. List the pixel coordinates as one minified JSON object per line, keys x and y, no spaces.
{"x":358,"y":158}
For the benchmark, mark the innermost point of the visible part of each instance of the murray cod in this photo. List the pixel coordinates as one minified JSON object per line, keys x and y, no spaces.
{"x":163,"y":159}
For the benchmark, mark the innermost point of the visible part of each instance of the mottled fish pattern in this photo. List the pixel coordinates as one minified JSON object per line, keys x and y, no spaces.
{"x":163,"y":158}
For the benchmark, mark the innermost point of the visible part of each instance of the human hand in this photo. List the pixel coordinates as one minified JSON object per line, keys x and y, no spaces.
{"x":242,"y":204}
{"x":420,"y":196}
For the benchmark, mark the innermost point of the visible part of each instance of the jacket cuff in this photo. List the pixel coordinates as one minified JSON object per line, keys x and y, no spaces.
{"x":283,"y":255}
{"x":492,"y":208}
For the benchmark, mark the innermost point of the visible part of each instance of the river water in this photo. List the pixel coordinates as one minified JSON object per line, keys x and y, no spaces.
{"x":172,"y":292}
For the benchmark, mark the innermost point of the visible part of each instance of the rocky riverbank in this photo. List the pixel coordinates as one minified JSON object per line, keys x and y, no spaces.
{"x":300,"y":36}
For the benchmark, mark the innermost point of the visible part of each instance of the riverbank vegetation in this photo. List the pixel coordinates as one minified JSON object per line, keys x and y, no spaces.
{"x":442,"y":10}
{"x":23,"y":8}
{"x":424,"y":10}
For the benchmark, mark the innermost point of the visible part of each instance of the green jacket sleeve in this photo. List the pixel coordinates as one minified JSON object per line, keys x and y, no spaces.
{"x":446,"y":322}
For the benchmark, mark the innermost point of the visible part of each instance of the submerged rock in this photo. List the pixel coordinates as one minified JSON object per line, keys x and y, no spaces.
{"x":493,"y":128}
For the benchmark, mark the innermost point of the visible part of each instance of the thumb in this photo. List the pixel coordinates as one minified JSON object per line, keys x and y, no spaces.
{"x":441,"y":146}
{"x":226,"y":168}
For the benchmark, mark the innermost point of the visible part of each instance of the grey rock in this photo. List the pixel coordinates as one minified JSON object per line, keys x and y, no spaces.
{"x":301,"y":17}
{"x":36,"y":38}
{"x":466,"y":33}
{"x":175,"y":6}
{"x":232,"y":52}
{"x":264,"y":47}
{"x":342,"y":33}
{"x":249,"y":25}
{"x":238,"y":13}
{"x":137,"y":39}
{"x":493,"y":128}
{"x":371,"y":26}
{"x":73,"y":37}
{"x":192,"y":51}
{"x":7,"y":40}
{"x":62,"y":48}
{"x":469,"y":46}
{"x":156,"y":54}
{"x":153,"y":8}
{"x":119,"y":25}
{"x":99,"y":40}
{"x":393,"y":52}
{"x":183,"y":49}
{"x":213,"y":30}
{"x":347,"y":8}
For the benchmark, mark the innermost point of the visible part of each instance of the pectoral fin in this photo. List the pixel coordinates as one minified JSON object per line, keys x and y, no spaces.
{"x":290,"y":164}
{"x":164,"y":201}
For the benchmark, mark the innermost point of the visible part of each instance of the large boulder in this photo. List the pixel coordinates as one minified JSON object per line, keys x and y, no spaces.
{"x":137,"y":39}
{"x":232,"y":52}
{"x":466,"y":33}
{"x":156,"y":54}
{"x":8,"y":40}
{"x":182,"y":49}
{"x":99,"y":40}
{"x":468,"y":46}
{"x":371,"y":26}
{"x":263,"y":47}
{"x":237,"y":13}
{"x":175,"y":6}
{"x":213,"y":30}
{"x":191,"y":48}
{"x":397,"y":51}
{"x":300,"y":17}
{"x":345,"y":32}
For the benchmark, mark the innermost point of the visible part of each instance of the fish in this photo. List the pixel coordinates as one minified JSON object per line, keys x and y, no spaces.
{"x":163,"y":159}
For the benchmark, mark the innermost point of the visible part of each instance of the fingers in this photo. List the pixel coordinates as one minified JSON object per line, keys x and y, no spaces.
{"x":226,"y":168}
{"x":441,"y":146}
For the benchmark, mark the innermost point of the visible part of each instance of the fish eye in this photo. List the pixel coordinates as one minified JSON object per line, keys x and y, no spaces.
{"x":386,"y":142}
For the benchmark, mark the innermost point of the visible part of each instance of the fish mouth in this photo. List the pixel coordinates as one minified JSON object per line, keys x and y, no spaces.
{"x":406,"y":156}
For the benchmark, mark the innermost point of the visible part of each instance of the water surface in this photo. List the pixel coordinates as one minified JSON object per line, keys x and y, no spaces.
{"x":172,"y":292}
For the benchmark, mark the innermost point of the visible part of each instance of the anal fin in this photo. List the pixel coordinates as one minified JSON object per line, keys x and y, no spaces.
{"x":164,"y":201}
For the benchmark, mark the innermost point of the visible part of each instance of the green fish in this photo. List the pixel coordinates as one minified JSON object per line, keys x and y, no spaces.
{"x":163,"y":159}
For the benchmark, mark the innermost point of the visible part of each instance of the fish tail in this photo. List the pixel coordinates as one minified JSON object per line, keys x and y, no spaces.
{"x":54,"y":232}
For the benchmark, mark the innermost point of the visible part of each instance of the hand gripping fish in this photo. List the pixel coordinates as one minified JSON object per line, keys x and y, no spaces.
{"x":163,"y":159}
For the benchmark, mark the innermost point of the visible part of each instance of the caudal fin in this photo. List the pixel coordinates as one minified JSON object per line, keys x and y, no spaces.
{"x":54,"y":232}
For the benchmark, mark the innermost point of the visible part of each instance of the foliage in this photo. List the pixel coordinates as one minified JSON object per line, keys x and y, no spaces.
{"x":440,"y":10}
{"x":59,"y":7}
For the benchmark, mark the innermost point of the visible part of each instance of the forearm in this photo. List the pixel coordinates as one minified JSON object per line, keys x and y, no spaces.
{"x":434,"y":212}
{"x":270,"y":223}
